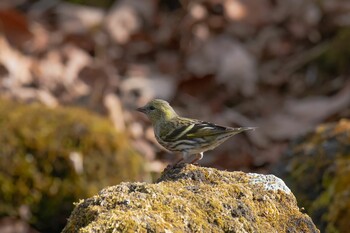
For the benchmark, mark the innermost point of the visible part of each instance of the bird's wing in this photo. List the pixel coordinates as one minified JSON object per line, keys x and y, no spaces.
{"x":191,"y":129}
{"x":203,"y":129}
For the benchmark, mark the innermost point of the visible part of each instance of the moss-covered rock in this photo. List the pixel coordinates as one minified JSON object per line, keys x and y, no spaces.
{"x":317,"y":168}
{"x":50,"y":158}
{"x":193,"y":199}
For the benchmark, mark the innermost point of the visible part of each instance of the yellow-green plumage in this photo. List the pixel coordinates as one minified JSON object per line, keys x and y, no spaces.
{"x":189,"y":136}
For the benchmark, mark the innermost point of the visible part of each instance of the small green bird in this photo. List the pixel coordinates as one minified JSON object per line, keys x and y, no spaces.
{"x":191,"y":137}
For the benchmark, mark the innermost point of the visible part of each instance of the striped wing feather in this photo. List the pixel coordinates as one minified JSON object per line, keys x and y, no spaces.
{"x":200,"y":129}
{"x":197,"y":136}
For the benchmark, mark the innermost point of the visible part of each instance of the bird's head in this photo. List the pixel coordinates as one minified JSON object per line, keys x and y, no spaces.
{"x":158,"y":110}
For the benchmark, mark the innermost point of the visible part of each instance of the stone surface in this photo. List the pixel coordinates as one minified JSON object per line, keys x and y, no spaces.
{"x":317,"y":169}
{"x":188,"y":198}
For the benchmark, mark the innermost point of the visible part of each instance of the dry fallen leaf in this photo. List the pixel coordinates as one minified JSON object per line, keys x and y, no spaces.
{"x":46,"y":98}
{"x":115,"y":111}
{"x":127,"y":17}
{"x":250,"y":12}
{"x":317,"y":108}
{"x":28,"y":94}
{"x":229,"y":61}
{"x":17,"y":65}
{"x":299,"y":116}
{"x":139,"y":90}
{"x":77,"y":59}
{"x":197,"y":11}
{"x":15,"y":27}
{"x":53,"y":73}
{"x":49,"y":70}
{"x":121,"y":22}
{"x":338,"y":12}
{"x":75,"y":18}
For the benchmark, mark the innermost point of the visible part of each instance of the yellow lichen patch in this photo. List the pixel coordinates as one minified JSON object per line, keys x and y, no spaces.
{"x":191,"y":199}
{"x":50,"y":158}
{"x":342,"y":126}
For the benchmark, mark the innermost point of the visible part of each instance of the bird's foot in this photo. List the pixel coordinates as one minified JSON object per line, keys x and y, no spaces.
{"x":197,"y":158}
{"x":195,"y":163}
{"x":178,"y":164}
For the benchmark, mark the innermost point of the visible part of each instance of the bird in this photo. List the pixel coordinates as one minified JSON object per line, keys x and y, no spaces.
{"x":191,"y":137}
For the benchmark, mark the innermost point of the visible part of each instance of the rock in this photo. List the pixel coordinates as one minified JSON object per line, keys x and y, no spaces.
{"x":52,"y":157}
{"x":188,"y":198}
{"x":316,"y":166}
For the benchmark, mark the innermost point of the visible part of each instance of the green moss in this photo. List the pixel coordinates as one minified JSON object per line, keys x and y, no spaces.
{"x":190,"y":199}
{"x":37,"y":149}
{"x":319,"y":175}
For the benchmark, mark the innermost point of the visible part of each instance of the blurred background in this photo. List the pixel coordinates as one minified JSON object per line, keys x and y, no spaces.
{"x":73,"y":72}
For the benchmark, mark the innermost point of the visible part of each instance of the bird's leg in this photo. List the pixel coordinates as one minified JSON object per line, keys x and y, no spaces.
{"x":198,"y":157}
{"x":185,"y":156}
{"x":170,"y":166}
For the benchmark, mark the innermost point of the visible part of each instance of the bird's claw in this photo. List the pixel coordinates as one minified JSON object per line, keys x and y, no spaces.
{"x":175,"y":165}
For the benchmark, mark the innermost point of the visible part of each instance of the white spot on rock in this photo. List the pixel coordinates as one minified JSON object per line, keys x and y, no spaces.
{"x":269,"y":182}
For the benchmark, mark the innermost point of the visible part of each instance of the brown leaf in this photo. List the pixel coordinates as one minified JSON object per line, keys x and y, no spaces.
{"x":229,"y":61}
{"x":115,"y":110}
{"x":14,"y":25}
{"x":299,"y":116}
{"x":17,"y":65}
{"x":138,"y":89}
{"x":250,"y":12}
{"x":75,"y":18}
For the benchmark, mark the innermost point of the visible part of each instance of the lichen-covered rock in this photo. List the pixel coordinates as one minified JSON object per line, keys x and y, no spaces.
{"x":193,"y":199}
{"x":50,"y":158}
{"x":317,"y":168}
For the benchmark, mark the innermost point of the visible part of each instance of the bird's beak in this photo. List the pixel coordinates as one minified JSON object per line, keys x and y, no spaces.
{"x":142,"y":109}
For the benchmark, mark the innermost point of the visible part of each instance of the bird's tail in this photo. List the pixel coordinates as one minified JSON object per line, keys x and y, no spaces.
{"x":241,"y":129}
{"x":231,"y":132}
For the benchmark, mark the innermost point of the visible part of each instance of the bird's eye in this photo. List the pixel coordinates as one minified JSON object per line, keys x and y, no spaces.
{"x":152,"y":108}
